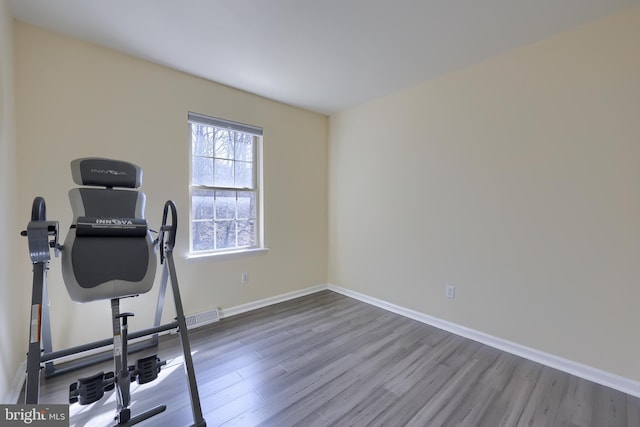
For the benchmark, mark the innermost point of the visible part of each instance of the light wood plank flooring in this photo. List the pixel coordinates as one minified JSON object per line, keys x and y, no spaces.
{"x":329,"y":360}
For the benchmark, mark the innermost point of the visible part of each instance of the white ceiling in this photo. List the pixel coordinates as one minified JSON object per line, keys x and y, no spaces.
{"x":323,"y":55}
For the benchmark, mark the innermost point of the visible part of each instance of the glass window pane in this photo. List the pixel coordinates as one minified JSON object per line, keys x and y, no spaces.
{"x":223,"y":173}
{"x":244,"y":147}
{"x":244,"y":174}
{"x":225,"y":234}
{"x":202,"y":204}
{"x":203,"y":236}
{"x":202,"y":171}
{"x":246,"y":205}
{"x":202,"y":140}
{"x":246,"y":233}
{"x":224,"y":144}
{"x":225,"y":204}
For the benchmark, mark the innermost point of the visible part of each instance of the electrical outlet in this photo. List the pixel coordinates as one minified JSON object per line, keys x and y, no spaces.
{"x":450,"y":291}
{"x":244,"y":278}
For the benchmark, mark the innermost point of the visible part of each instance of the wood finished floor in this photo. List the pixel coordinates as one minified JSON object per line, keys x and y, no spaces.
{"x":329,"y":360}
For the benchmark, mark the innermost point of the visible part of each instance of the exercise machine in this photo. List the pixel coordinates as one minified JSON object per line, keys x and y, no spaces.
{"x":108,"y":254}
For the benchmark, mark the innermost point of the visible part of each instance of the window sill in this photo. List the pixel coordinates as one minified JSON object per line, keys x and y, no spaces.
{"x":228,"y":255}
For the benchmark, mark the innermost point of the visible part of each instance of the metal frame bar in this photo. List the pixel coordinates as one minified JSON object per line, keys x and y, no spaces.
{"x":196,"y":408}
{"x":32,"y":385}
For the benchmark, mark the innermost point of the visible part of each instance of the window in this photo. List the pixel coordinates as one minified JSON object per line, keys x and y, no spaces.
{"x":225,"y":196}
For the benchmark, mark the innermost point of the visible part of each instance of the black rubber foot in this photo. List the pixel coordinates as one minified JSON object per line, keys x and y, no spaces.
{"x":139,"y":418}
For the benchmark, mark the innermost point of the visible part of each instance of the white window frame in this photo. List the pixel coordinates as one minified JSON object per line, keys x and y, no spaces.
{"x":257,"y":188}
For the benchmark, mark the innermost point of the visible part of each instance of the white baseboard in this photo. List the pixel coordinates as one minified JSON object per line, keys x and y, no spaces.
{"x":226,"y":312}
{"x":16,"y":385}
{"x":599,"y":376}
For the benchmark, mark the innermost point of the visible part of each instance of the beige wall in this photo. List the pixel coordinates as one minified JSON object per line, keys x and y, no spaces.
{"x":13,"y":300}
{"x":75,"y":99}
{"x":517,"y":181}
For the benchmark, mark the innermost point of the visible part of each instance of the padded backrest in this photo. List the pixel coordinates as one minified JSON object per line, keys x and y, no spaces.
{"x":109,"y":251}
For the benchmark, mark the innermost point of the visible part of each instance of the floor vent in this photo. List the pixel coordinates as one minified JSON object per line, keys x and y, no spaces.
{"x":201,"y":319}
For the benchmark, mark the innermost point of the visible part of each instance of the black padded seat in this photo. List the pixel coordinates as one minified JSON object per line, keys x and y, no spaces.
{"x":108,"y":252}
